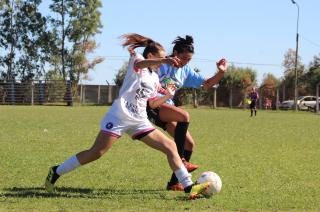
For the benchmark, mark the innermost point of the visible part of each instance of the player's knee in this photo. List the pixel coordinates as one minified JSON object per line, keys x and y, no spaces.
{"x":189,"y":144}
{"x":185,"y":116}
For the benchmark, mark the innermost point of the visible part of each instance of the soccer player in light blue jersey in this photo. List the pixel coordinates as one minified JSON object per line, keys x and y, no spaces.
{"x":174,"y":119}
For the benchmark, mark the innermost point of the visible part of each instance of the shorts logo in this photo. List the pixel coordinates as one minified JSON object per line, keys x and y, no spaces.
{"x":109,"y":125}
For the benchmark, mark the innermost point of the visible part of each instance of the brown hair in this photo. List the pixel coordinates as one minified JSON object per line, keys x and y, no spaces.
{"x":135,"y":40}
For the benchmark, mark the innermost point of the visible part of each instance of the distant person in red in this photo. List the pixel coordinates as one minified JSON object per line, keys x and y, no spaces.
{"x":254,"y":96}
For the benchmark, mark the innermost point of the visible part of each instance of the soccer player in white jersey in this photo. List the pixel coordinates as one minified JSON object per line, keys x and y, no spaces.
{"x":174,"y":119}
{"x":128,"y":115}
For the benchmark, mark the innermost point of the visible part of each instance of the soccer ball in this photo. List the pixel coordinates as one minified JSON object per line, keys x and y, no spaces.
{"x":215,"y":183}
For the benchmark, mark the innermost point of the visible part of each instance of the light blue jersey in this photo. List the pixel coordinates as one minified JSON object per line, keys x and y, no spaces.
{"x":181,"y":77}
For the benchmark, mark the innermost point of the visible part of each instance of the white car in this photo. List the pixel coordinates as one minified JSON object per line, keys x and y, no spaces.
{"x":304,"y":103}
{"x":307,"y":102}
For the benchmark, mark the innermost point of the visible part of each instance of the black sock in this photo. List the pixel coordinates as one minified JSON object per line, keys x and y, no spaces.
{"x":180,"y":135}
{"x":187,"y":155}
{"x":255,"y":112}
{"x":251,"y":112}
{"x":188,"y":189}
{"x":173,"y":180}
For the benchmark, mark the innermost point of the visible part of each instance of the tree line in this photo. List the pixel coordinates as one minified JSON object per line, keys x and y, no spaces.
{"x":240,"y":80}
{"x":38,"y":46}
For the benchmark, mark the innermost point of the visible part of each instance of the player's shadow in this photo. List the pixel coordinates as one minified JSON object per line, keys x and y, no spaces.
{"x":71,"y":192}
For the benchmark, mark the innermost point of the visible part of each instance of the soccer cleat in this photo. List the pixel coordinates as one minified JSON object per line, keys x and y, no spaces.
{"x":51,"y":179}
{"x":198,"y":189}
{"x":189,"y":166}
{"x":175,"y":187}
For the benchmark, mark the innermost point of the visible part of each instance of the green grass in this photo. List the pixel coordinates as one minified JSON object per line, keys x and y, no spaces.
{"x":266,"y":163}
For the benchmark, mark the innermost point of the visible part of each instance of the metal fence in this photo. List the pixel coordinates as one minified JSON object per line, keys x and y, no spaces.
{"x":38,"y":92}
{"x":56,"y":92}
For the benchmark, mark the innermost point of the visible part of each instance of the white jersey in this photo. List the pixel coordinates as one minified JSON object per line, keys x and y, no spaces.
{"x":139,"y":85}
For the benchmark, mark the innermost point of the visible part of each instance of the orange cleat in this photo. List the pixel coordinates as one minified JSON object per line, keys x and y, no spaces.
{"x":175,"y":187}
{"x":189,"y":166}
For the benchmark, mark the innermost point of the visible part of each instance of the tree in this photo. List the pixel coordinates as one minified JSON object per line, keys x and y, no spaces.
{"x":23,"y":38}
{"x":269,"y":86}
{"x":86,"y":24}
{"x":118,"y":80}
{"x":230,"y":80}
{"x":289,"y":72}
{"x":238,"y":78}
{"x":312,"y":76}
{"x":78,"y":22}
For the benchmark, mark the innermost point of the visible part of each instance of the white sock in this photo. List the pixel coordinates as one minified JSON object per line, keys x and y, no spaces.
{"x":68,"y":165}
{"x":183,"y":176}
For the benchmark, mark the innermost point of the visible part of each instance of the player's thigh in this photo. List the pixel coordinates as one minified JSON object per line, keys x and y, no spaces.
{"x":159,"y":141}
{"x":171,"y":113}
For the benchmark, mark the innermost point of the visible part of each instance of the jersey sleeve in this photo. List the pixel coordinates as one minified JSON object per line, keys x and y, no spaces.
{"x":137,"y":58}
{"x":193,"y":79}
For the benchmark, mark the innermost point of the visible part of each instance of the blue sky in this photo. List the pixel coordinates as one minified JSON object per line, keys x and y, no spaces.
{"x":245,"y":32}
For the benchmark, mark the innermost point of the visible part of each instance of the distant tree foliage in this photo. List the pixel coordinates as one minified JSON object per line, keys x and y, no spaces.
{"x":23,"y":40}
{"x":74,"y":28}
{"x":238,"y":79}
{"x":119,"y":77}
{"x":35,"y":46}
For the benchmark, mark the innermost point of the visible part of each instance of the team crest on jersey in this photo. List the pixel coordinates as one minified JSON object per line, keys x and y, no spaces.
{"x":109,"y":125}
{"x":144,"y":91}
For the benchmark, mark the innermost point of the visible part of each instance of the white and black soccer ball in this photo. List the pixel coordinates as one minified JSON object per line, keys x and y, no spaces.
{"x":215,"y":183}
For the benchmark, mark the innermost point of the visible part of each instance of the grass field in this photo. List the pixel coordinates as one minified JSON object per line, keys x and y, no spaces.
{"x":266,"y":163}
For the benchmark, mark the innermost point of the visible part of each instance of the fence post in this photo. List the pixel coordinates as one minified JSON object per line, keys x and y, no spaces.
{"x":214,"y":98}
{"x":84,"y":94}
{"x":41,"y":93}
{"x":68,"y":94}
{"x":12,"y":93}
{"x":81,"y":94}
{"x":98,"y":94}
{"x":260,"y":99}
{"x":277,"y":99}
{"x":109,"y":94}
{"x":283,"y":93}
{"x":317,"y":100}
{"x":32,"y":93}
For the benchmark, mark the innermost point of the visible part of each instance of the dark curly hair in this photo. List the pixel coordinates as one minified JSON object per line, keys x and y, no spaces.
{"x":182,"y":45}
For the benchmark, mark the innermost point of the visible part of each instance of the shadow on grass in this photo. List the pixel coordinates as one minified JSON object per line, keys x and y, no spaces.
{"x":70,"y":192}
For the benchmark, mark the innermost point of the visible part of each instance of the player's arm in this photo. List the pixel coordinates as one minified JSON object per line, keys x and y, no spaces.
{"x":222,"y":67}
{"x":156,"y":61}
{"x":159,"y":101}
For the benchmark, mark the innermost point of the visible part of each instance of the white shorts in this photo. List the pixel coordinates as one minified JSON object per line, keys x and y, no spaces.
{"x":115,"y":126}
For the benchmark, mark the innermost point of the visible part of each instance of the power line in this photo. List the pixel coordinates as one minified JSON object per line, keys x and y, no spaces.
{"x":240,"y":63}
{"x":112,"y":57}
{"x":310,"y":41}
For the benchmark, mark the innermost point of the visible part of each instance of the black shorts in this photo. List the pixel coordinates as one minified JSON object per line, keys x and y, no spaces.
{"x":153,"y":116}
{"x":253,"y":104}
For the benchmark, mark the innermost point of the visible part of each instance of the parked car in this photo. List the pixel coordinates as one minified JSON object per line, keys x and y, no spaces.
{"x":307,"y":102}
{"x":304,"y":103}
{"x":286,"y":105}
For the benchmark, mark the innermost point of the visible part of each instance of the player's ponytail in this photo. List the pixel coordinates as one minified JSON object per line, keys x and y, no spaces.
{"x":182,"y":45}
{"x":135,"y":40}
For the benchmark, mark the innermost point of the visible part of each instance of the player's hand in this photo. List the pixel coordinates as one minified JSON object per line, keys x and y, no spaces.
{"x":222,"y":65}
{"x":173,"y":61}
{"x":171,"y":88}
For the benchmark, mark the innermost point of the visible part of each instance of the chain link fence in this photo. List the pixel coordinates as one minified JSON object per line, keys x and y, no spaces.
{"x":58,"y":92}
{"x":54,"y":92}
